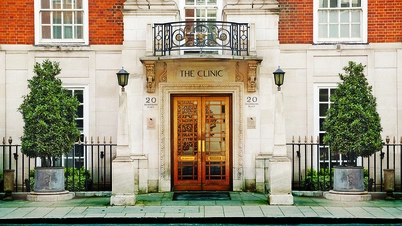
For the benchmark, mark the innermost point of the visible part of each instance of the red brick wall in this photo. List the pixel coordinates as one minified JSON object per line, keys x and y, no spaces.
{"x":384,"y":21}
{"x":16,"y":22}
{"x":296,"y":21}
{"x":105,"y":22}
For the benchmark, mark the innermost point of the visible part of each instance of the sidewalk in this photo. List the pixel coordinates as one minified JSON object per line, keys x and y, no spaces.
{"x":243,"y":208}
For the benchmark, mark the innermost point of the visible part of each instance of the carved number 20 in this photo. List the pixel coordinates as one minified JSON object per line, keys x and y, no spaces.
{"x":252,"y":99}
{"x":150,"y":100}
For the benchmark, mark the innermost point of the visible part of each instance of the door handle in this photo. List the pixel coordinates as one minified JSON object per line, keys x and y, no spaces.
{"x":201,"y":145}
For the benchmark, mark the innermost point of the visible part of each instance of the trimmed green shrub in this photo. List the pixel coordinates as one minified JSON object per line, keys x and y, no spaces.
{"x":77,"y":180}
{"x":49,"y":113}
{"x":352,"y":122}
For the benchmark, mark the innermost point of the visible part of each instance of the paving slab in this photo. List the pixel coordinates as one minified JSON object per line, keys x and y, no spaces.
{"x":243,"y":208}
{"x":272,"y":211}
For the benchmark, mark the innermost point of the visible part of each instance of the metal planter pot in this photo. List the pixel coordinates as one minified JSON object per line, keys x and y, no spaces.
{"x":348,"y":179}
{"x":49,"y":179}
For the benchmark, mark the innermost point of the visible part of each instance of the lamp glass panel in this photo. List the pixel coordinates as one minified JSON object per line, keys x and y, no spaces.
{"x":122,"y":79}
{"x":279,"y":78}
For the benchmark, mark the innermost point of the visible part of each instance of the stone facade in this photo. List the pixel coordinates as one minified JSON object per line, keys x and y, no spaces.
{"x":120,"y":34}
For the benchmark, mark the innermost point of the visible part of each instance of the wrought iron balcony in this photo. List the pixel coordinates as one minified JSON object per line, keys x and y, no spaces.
{"x":197,"y":36}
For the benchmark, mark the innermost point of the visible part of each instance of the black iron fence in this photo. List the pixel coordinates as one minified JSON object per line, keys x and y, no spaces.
{"x":199,"y":36}
{"x":312,"y":165}
{"x":88,"y":167}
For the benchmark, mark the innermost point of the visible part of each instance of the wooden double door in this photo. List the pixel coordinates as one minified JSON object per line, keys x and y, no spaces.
{"x":201,"y":142}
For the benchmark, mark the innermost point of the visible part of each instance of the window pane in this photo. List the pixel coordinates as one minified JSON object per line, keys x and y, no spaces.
{"x":345,"y":30}
{"x":45,"y":17}
{"x":323,"y":95}
{"x":211,"y":2}
{"x":333,"y":31}
{"x":57,"y":32}
{"x":67,"y":4}
{"x":80,"y":111}
{"x":356,"y":3}
{"x":45,"y":4}
{"x":80,"y":124}
{"x":344,"y":14}
{"x":323,"y":17}
{"x":200,"y":2}
{"x":323,"y":109}
{"x":321,"y":122}
{"x":345,"y":3}
{"x":77,"y":4}
{"x":56,"y":4}
{"x":68,"y":32}
{"x":46,"y":32}
{"x":200,"y":13}
{"x":323,"y":4}
{"x":79,"y":32}
{"x":78,"y":18}
{"x":333,"y":17}
{"x":333,"y":3}
{"x":56,"y":17}
{"x":189,"y":2}
{"x":322,"y":31}
{"x":68,"y":17}
{"x":212,"y":13}
{"x":189,"y":13}
{"x":355,"y":30}
{"x":355,"y":16}
{"x":80,"y":95}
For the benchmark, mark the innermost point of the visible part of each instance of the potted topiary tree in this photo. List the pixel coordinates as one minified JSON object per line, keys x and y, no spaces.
{"x":352,"y":127}
{"x":50,"y":131}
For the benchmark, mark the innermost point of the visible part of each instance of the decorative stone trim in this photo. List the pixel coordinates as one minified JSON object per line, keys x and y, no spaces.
{"x":150,"y":76}
{"x":252,"y":76}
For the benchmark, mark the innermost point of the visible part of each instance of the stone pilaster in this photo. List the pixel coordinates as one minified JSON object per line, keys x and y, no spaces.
{"x":280,"y":168}
{"x":123,"y":193}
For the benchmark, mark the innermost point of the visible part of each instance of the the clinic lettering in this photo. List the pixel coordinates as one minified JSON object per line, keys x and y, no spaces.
{"x":201,"y":73}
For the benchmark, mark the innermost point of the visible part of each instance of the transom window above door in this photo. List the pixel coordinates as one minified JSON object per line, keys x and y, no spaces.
{"x":61,"y":21}
{"x":340,"y":21}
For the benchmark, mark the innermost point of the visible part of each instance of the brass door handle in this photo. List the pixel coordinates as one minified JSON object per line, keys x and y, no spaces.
{"x":201,"y":145}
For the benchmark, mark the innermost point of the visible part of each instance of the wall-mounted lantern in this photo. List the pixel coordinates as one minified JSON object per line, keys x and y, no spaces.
{"x":279,"y":77}
{"x":122,"y":78}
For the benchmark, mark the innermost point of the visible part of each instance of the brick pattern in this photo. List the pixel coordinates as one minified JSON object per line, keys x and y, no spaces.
{"x":384,"y":21}
{"x":17,"y":22}
{"x":296,"y":21}
{"x":105,"y":22}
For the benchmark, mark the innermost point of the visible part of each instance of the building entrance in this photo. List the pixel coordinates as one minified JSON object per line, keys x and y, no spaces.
{"x":201,"y":145}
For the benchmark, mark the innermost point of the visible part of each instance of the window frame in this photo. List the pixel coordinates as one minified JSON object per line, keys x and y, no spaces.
{"x":85,"y":119}
{"x":317,"y":117}
{"x":363,"y":26}
{"x":57,"y":42}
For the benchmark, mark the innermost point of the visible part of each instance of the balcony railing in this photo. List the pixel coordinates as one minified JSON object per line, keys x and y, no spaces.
{"x":201,"y":36}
